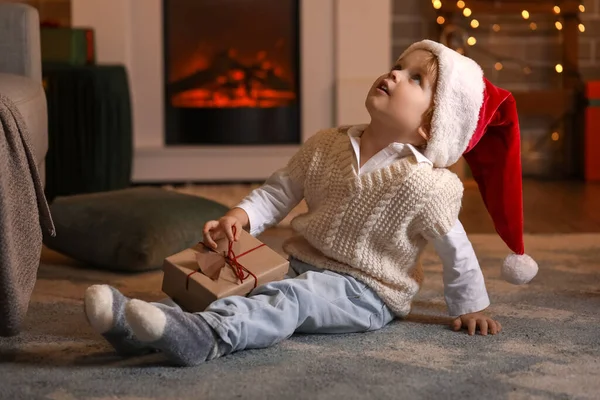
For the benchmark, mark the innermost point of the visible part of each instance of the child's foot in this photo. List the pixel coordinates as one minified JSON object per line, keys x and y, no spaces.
{"x":105,"y":311}
{"x":186,"y":339}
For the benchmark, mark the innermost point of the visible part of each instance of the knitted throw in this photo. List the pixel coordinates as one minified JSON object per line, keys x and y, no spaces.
{"x":23,"y":213}
{"x":371,"y":226}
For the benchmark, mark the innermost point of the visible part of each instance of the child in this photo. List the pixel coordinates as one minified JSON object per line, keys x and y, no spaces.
{"x":376,"y":195}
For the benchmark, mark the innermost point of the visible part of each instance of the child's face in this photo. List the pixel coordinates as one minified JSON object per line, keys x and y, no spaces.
{"x":400,"y":98}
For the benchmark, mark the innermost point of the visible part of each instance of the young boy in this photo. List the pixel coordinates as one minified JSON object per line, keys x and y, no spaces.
{"x":376,"y":194}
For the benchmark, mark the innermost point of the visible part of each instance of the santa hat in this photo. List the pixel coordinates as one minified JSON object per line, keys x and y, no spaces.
{"x":477,"y":120}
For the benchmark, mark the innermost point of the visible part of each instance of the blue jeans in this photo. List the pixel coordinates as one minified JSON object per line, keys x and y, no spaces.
{"x":316,"y":301}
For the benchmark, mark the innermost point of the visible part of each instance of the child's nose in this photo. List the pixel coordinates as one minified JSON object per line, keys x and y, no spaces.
{"x":394,"y":75}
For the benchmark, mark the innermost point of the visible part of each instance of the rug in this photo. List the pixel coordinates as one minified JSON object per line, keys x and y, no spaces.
{"x":549,"y":349}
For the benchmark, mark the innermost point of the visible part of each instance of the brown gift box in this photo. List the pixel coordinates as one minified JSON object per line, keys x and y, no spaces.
{"x":197,"y":276}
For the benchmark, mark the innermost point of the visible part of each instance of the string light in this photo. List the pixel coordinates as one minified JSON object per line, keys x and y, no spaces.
{"x":525,"y":14}
{"x":471,"y":40}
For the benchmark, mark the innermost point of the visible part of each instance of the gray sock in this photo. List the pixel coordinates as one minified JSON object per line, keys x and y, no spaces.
{"x":105,"y":311}
{"x":185,"y":338}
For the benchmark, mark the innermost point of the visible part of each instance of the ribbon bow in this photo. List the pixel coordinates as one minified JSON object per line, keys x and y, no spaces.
{"x":241,"y":272}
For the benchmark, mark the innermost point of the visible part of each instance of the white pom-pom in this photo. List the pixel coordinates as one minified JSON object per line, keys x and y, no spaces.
{"x":519,"y":269}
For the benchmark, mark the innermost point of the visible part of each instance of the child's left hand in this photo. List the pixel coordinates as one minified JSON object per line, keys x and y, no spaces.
{"x":476,"y":320}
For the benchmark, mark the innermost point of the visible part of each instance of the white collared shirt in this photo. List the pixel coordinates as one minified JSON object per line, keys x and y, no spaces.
{"x":464,"y":285}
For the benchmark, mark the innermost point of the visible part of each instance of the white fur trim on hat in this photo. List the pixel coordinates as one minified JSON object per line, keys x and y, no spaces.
{"x":457,"y":102}
{"x":519,"y":269}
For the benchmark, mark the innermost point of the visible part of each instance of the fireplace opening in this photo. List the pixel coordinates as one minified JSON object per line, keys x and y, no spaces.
{"x":231,"y":72}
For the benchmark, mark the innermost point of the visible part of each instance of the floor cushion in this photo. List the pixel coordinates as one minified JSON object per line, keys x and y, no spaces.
{"x":132,"y":229}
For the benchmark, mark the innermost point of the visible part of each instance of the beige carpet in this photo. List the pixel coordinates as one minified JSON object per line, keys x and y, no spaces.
{"x":550,"y":347}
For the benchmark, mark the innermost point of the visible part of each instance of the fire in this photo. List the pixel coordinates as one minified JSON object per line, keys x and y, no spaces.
{"x":206,"y":98}
{"x":227,"y":81}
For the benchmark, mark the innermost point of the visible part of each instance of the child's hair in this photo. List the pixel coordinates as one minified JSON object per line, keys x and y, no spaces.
{"x":432,"y":65}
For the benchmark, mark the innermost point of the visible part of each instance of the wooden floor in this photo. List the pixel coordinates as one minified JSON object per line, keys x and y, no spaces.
{"x":548,"y":207}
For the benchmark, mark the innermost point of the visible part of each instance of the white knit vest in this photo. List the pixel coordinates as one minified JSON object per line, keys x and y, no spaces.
{"x":371,"y":226}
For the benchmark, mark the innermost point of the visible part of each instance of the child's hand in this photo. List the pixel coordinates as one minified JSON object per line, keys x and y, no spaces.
{"x":224,"y":227}
{"x":474,"y":320}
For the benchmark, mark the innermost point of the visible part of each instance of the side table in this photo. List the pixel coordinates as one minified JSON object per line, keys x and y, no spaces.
{"x":90,"y":137}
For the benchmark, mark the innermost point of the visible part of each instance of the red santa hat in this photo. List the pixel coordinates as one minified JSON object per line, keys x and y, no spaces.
{"x":477,"y":120}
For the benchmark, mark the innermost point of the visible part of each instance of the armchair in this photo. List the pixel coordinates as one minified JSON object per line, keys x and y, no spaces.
{"x":23,"y":147}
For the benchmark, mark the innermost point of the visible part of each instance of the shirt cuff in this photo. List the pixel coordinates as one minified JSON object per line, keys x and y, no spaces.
{"x":458,"y":309}
{"x":254,"y":228}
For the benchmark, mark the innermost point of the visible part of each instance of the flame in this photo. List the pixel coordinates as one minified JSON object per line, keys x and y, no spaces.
{"x":197,"y":62}
{"x":255,"y":82}
{"x":204,"y":98}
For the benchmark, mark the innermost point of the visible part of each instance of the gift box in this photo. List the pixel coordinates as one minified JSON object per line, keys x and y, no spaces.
{"x":592,"y":132}
{"x":75,"y":46}
{"x":196,"y":277}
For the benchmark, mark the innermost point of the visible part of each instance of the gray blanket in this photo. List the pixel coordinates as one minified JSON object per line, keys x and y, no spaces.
{"x":23,"y":213}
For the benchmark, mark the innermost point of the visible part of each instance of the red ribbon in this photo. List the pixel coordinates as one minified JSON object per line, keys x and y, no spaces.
{"x":232,"y":260}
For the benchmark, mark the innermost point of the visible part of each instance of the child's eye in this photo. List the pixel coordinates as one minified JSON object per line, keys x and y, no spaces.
{"x":397,"y":68}
{"x":416,"y":78}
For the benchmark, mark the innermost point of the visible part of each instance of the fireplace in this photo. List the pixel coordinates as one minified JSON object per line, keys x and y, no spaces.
{"x":344,"y":44}
{"x":231,"y":72}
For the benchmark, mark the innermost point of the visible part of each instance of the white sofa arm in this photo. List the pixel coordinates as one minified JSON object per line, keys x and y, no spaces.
{"x":20,"y":49}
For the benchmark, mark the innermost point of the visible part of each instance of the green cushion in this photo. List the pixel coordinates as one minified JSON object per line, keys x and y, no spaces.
{"x":129,"y":230}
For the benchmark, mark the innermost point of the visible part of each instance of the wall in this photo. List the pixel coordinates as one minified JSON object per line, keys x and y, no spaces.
{"x":58,"y":11}
{"x":543,"y":156}
{"x":415,"y":19}
{"x":328,"y":60}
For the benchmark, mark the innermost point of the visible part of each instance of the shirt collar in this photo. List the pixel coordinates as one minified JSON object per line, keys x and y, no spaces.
{"x":356,"y":131}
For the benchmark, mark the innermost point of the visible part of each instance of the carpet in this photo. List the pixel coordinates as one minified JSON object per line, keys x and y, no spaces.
{"x":549,"y":349}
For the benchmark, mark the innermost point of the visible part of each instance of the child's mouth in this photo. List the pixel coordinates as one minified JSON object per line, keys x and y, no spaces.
{"x":383,"y":87}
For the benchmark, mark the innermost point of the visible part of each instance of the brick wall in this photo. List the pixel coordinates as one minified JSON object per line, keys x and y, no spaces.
{"x":589,"y":46}
{"x":415,"y":19}
{"x":540,"y":50}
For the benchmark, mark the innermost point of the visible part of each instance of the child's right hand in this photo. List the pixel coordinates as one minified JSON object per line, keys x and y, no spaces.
{"x":224,"y":227}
